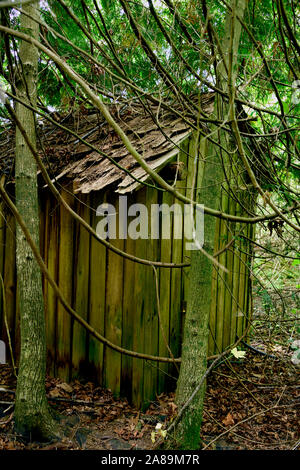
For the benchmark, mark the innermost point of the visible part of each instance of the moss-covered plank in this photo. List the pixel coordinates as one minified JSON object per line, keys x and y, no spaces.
{"x":98,"y":256}
{"x":151,"y":315}
{"x":65,"y":282}
{"x":81,"y":288}
{"x":138,"y":301}
{"x":113,"y":314}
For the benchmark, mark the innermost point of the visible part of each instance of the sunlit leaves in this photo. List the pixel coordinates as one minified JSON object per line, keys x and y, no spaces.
{"x":238,"y":354}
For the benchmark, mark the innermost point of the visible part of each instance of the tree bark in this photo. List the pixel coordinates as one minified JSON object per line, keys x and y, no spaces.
{"x":196,"y":330}
{"x":195,"y":342}
{"x":33,"y":418}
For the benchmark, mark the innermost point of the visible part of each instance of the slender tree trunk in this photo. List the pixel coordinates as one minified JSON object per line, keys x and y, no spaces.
{"x":196,"y":331}
{"x":32,"y":413}
{"x":195,"y":342}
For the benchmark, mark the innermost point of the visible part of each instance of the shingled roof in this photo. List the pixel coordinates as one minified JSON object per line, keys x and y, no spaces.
{"x":68,"y":158}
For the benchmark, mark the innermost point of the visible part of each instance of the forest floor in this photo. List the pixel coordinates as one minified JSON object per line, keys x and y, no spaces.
{"x":251,"y":403}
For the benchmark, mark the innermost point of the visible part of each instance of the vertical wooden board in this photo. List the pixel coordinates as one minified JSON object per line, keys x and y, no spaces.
{"x":195,"y":167}
{"x":241,"y":275}
{"x":128,"y":321}
{"x":227,"y":315}
{"x":81,"y":288}
{"x":236,"y":308}
{"x":243,"y":287}
{"x":51,"y":255}
{"x":226,"y":292}
{"x":164,"y":296}
{"x":203,"y":154}
{"x":113,"y":314}
{"x":221,"y":277}
{"x":246,"y":300}
{"x":175,"y":305}
{"x":45,"y":258}
{"x":10,"y":274}
{"x":45,"y":249}
{"x":176,"y":274}
{"x":193,"y":170}
{"x":241,"y":293}
{"x":42,"y":197}
{"x":248,"y":247}
{"x":242,"y":319}
{"x":42,"y":204}
{"x":214,"y":296}
{"x":139,"y":314}
{"x":2,"y":257}
{"x":65,"y":282}
{"x":43,"y":229}
{"x":98,"y":255}
{"x":151,"y":317}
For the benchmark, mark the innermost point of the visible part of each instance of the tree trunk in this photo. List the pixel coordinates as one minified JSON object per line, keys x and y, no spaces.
{"x":196,"y":330}
{"x":33,"y":417}
{"x":195,"y":342}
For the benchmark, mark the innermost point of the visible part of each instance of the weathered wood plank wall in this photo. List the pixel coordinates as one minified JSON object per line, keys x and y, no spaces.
{"x":119,"y":297}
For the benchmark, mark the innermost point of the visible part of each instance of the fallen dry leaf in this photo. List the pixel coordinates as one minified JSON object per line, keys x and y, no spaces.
{"x":55,"y":393}
{"x":228,"y":420}
{"x":66,"y":387}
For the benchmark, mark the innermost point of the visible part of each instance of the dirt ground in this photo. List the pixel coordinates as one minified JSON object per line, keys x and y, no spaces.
{"x":251,"y":403}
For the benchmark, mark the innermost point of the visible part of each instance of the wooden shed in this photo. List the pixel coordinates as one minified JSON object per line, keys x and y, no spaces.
{"x":118,"y":297}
